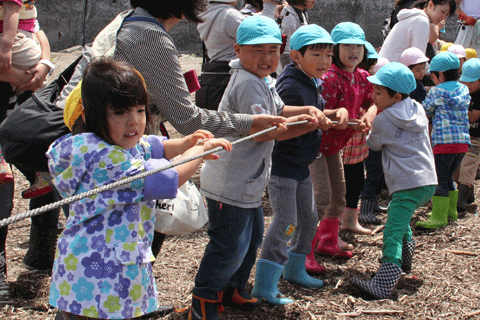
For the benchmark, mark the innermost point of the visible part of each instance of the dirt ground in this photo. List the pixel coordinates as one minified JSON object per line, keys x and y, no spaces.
{"x":444,"y":282}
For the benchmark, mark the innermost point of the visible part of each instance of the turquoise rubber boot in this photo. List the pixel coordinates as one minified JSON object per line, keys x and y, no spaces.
{"x":295,"y":272}
{"x":267,"y":275}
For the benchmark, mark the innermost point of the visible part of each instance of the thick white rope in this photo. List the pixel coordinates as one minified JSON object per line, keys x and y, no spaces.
{"x":116,"y":184}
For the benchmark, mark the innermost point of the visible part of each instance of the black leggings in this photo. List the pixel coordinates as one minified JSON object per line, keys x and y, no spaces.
{"x":354,"y":181}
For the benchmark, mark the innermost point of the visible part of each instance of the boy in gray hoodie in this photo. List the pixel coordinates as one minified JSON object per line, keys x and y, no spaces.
{"x":400,"y":131}
{"x":234,"y":187}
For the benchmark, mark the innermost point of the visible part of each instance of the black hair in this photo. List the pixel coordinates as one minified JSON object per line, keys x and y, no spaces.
{"x":367,"y":63}
{"x":450,"y":75}
{"x":336,"y":56}
{"x":422,"y":4}
{"x":315,"y":46}
{"x":110,"y":84}
{"x":190,"y":9}
{"x":392,"y":93}
{"x":296,"y":2}
{"x":416,"y":64}
{"x":258,"y":4}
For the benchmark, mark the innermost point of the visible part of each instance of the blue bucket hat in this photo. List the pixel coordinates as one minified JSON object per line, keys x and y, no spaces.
{"x":372,"y":53}
{"x":396,"y":76}
{"x":258,"y":30}
{"x":444,"y":61}
{"x":471,"y":70}
{"x":309,"y":34}
{"x":348,"y":33}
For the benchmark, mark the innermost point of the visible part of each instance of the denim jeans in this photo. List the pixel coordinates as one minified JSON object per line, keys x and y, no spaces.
{"x":446,"y":165}
{"x":374,"y":179}
{"x":235,"y":236}
{"x":294,"y":220}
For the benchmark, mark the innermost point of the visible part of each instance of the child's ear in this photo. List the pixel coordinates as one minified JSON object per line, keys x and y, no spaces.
{"x":397,"y":97}
{"x":295,"y":55}
{"x":236,"y":47}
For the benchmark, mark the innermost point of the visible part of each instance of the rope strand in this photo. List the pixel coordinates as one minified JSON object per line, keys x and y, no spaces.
{"x":48,"y":207}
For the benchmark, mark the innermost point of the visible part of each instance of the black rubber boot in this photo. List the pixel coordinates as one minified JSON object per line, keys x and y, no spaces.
{"x":4,"y":288}
{"x":41,"y":250}
{"x":44,"y":231}
{"x":157,"y":243}
{"x":381,"y":286}
{"x":464,"y":192}
{"x":471,"y":198}
{"x":367,"y":214}
{"x":408,"y":249}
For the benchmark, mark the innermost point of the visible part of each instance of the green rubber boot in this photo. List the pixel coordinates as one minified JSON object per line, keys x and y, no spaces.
{"x":438,"y":218}
{"x":452,"y":209}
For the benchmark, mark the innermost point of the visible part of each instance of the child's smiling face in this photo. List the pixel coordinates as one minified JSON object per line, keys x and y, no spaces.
{"x":259,"y":59}
{"x":315,"y":62}
{"x":350,"y":55}
{"x":419,"y":70}
{"x":126,"y":127}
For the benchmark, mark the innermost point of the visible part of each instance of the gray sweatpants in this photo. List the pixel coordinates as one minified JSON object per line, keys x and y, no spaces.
{"x":294,"y":219}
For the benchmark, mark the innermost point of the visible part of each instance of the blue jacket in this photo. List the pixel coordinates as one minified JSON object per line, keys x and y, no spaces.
{"x":290,"y":158}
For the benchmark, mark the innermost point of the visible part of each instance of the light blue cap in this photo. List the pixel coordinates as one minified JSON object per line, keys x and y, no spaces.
{"x":309,"y":34}
{"x":471,"y":70}
{"x":372,"y":53}
{"x":348,"y":33}
{"x":444,"y":61}
{"x":258,"y":30}
{"x":396,"y":76}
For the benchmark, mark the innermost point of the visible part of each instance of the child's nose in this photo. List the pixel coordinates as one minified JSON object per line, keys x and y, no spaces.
{"x":133,"y":118}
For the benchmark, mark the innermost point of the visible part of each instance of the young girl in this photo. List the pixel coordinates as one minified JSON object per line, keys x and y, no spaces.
{"x":356,"y":151}
{"x":416,"y":61}
{"x":413,"y":27}
{"x":103,"y":263}
{"x":345,"y":85}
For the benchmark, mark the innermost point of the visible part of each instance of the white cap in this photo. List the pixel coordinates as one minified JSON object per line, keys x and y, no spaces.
{"x":380,"y":63}
{"x":413,"y":56}
{"x":458,"y":49}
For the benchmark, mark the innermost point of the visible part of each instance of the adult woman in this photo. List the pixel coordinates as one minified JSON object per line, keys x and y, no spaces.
{"x":413,"y":27}
{"x":218,"y":31}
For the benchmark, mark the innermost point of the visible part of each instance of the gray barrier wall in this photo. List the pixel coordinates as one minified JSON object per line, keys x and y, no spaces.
{"x":76,"y":22}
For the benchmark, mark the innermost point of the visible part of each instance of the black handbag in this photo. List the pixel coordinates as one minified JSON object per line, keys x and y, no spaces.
{"x":32,"y":127}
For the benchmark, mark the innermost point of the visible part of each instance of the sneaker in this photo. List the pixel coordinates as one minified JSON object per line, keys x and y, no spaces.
{"x":39,"y":188}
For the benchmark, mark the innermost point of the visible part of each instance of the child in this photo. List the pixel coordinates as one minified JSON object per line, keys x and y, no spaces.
{"x":447,"y":103}
{"x":460,"y":52}
{"x":356,"y":151}
{"x":290,"y":188}
{"x":416,"y":61}
{"x":234,"y":186}
{"x":468,"y":169}
{"x":400,"y":131}
{"x":374,"y":178}
{"x":19,"y":48}
{"x":344,"y":86}
{"x":103,"y":263}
